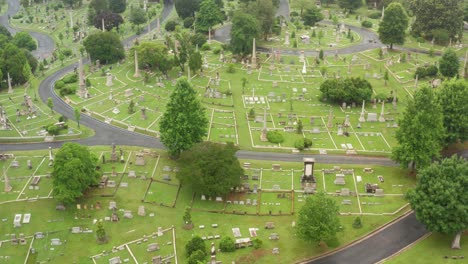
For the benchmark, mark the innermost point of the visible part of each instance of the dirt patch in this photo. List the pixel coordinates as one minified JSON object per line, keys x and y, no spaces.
{"x":252,"y":257}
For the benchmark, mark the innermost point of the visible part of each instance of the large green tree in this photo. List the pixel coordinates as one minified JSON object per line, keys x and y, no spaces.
{"x":187,"y":8}
{"x":421,"y":131}
{"x":105,"y":47}
{"x":184,"y":123}
{"x":12,"y":60}
{"x":111,"y":20}
{"x":244,"y":29}
{"x":74,"y":171}
{"x":24,"y":40}
{"x":453,"y":98}
{"x":117,"y":6}
{"x":350,"y":5}
{"x":393,"y":26}
{"x":318,"y":219}
{"x":346,"y":90}
{"x":433,"y":15}
{"x":311,"y":16}
{"x":440,"y":199}
{"x":264,"y":11}
{"x":208,"y":16}
{"x":302,"y":5}
{"x":137,"y":16}
{"x":154,"y":56}
{"x":210,"y":168}
{"x":449,"y":63}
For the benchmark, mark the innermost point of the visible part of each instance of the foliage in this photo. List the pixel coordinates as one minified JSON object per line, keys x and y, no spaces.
{"x":244,"y":29}
{"x":421,"y":131}
{"x":208,"y":16}
{"x":257,"y":243}
{"x":12,"y":60}
{"x":111,"y":20}
{"x":251,"y":113}
{"x":188,"y":22}
{"x":299,"y":144}
{"x":154,"y":56}
{"x":198,"y":39}
{"x":53,"y":130}
{"x":312,"y":16}
{"x":264,"y":11}
{"x":73,"y":172}
{"x":426,"y":71}
{"x":440,"y":199}
{"x":171,"y":25}
{"x":117,"y":6}
{"x":137,"y":16}
{"x":187,"y":216}
{"x":187,"y":8}
{"x":201,"y":168}
{"x":98,"y":5}
{"x":24,"y":40}
{"x":105,"y":47}
{"x":318,"y":219}
{"x":346,"y":90}
{"x":50,"y":104}
{"x":299,"y":127}
{"x":195,"y":61}
{"x":393,"y":26}
{"x":452,"y":96}
{"x":275,"y":136}
{"x":366,"y":23}
{"x":350,"y":5}
{"x":131,"y":107}
{"x":101,"y":232}
{"x":449,"y":63}
{"x":357,"y":222}
{"x":437,"y":14}
{"x":184,"y":123}
{"x":227,"y":244}
{"x":440,"y":36}
{"x":77,"y":114}
{"x":197,"y":257}
{"x":194,"y":244}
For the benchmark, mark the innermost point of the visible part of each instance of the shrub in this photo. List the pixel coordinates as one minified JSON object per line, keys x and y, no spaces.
{"x":67,"y":90}
{"x":375,"y":15}
{"x":274,"y":136}
{"x":59,"y":85}
{"x":188,"y":22}
{"x":67,"y":52}
{"x":197,"y":257}
{"x":299,"y":144}
{"x":62,"y":119}
{"x":257,"y":243}
{"x":441,"y":36}
{"x":366,"y":24}
{"x":198,"y":39}
{"x":170,"y":25}
{"x":53,"y":130}
{"x":357,"y":222}
{"x":422,"y":72}
{"x":216,"y":51}
{"x":294,"y":14}
{"x":252,"y":113}
{"x":231,"y":68}
{"x":307,"y":143}
{"x":71,"y":78}
{"x":227,"y":245}
{"x":194,"y":244}
{"x":205,"y":47}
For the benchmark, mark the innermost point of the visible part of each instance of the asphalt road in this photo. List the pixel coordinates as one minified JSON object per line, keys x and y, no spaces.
{"x":369,"y":250}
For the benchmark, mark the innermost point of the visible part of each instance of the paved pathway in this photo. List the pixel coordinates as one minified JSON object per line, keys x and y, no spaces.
{"x":378,"y":246}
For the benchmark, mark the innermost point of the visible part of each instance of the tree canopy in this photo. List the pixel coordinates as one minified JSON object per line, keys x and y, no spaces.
{"x":244,"y":29}
{"x":311,"y":16}
{"x":346,"y":90}
{"x":449,"y":63}
{"x":117,"y":6}
{"x":393,"y":26}
{"x":210,"y":168}
{"x":184,"y":123}
{"x":453,"y":97}
{"x":421,"y":131}
{"x":105,"y":47}
{"x":137,"y":16}
{"x":264,"y":11}
{"x":350,"y":5}
{"x":187,"y":8}
{"x":111,"y":20}
{"x":154,"y":56}
{"x":12,"y":60}
{"x":24,"y":40}
{"x":318,"y":219}
{"x":74,"y":171}
{"x":433,"y":15}
{"x":440,"y":199}
{"x":208,"y":16}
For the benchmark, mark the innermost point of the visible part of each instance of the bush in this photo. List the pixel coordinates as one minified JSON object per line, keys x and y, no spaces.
{"x":59,"y":85}
{"x":227,"y":245}
{"x":441,"y":36}
{"x":194,"y":244}
{"x":170,"y":25}
{"x":307,"y":143}
{"x":231,"y":68}
{"x":357,"y":222}
{"x":67,"y":90}
{"x":299,"y":144}
{"x":274,"y":136}
{"x":205,"y":47}
{"x":366,"y":24}
{"x":198,"y":39}
{"x":429,"y":71}
{"x":375,"y":15}
{"x":71,"y":78}
{"x":188,"y":22}
{"x":53,"y":130}
{"x":216,"y":51}
{"x":67,"y":52}
{"x":197,"y":257}
{"x":257,"y":243}
{"x":62,"y":119}
{"x":252,"y":113}
{"x":294,"y":14}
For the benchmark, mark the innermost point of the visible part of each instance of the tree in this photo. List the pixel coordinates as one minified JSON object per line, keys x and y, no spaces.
{"x":194,"y":244}
{"x":195,"y":61}
{"x":184,"y":123}
{"x":318,"y":219}
{"x":393,"y":26}
{"x":24,"y":40}
{"x":452,"y":97}
{"x":99,"y":5}
{"x":320,"y":36}
{"x":302,"y":4}
{"x":105,"y":47}
{"x":208,"y":16}
{"x":101,"y":233}
{"x":117,"y":6}
{"x":350,"y":5}
{"x":137,"y":16}
{"x":449,"y":64}
{"x":12,"y":60}
{"x":421,"y":131}
{"x":312,"y":16}
{"x":187,"y":8}
{"x":440,"y":199}
{"x":385,"y":77}
{"x":227,"y":244}
{"x":77,"y":114}
{"x":131,"y":107}
{"x":111,"y":20}
{"x":265,"y":12}
{"x":346,"y":90}
{"x":5,"y":32}
{"x":154,"y":56}
{"x":300,"y":126}
{"x":201,"y":168}
{"x":244,"y":29}
{"x":197,"y":257}
{"x":187,"y":216}
{"x":437,"y":14}
{"x":74,"y":171}
{"x":50,"y":104}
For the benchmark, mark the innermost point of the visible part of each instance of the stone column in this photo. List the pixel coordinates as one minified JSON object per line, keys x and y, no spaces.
{"x":10,"y":88}
{"x":254,"y":56}
{"x":137,"y":70}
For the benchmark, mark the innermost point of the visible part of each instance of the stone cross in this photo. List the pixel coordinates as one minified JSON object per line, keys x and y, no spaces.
{"x":254,"y":56}
{"x":7,"y":181}
{"x":304,"y":68}
{"x":362,"y":119}
{"x":137,"y":70}
{"x":10,"y":88}
{"x":382,"y":113}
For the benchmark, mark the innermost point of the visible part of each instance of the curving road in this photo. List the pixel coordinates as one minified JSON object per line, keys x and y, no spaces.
{"x":371,"y":249}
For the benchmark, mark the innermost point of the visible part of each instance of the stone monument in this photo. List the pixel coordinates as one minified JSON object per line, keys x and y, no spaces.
{"x":362,"y":119}
{"x":382,"y":113}
{"x":254,"y":56}
{"x":109,"y":79}
{"x":263,"y":136}
{"x":137,"y":70}
{"x":10,"y":88}
{"x":7,"y":181}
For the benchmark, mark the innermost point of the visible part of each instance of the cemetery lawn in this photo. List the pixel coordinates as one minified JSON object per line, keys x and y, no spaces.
{"x":431,"y":249}
{"x":159,"y":196}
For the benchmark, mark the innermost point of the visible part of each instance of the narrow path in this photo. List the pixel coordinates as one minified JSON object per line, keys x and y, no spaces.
{"x":371,"y":249}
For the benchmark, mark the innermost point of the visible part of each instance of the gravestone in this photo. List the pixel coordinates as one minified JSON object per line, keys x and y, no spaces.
{"x":339,"y":180}
{"x":344,"y":192}
{"x":29,"y":165}
{"x":112,"y":205}
{"x":152,"y":247}
{"x":141,"y":210}
{"x":109,"y":80}
{"x":379,"y":192}
{"x":128,"y":214}
{"x":340,"y":130}
{"x":140,"y":160}
{"x":346,"y":122}
{"x":131,"y":174}
{"x":371,"y":117}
